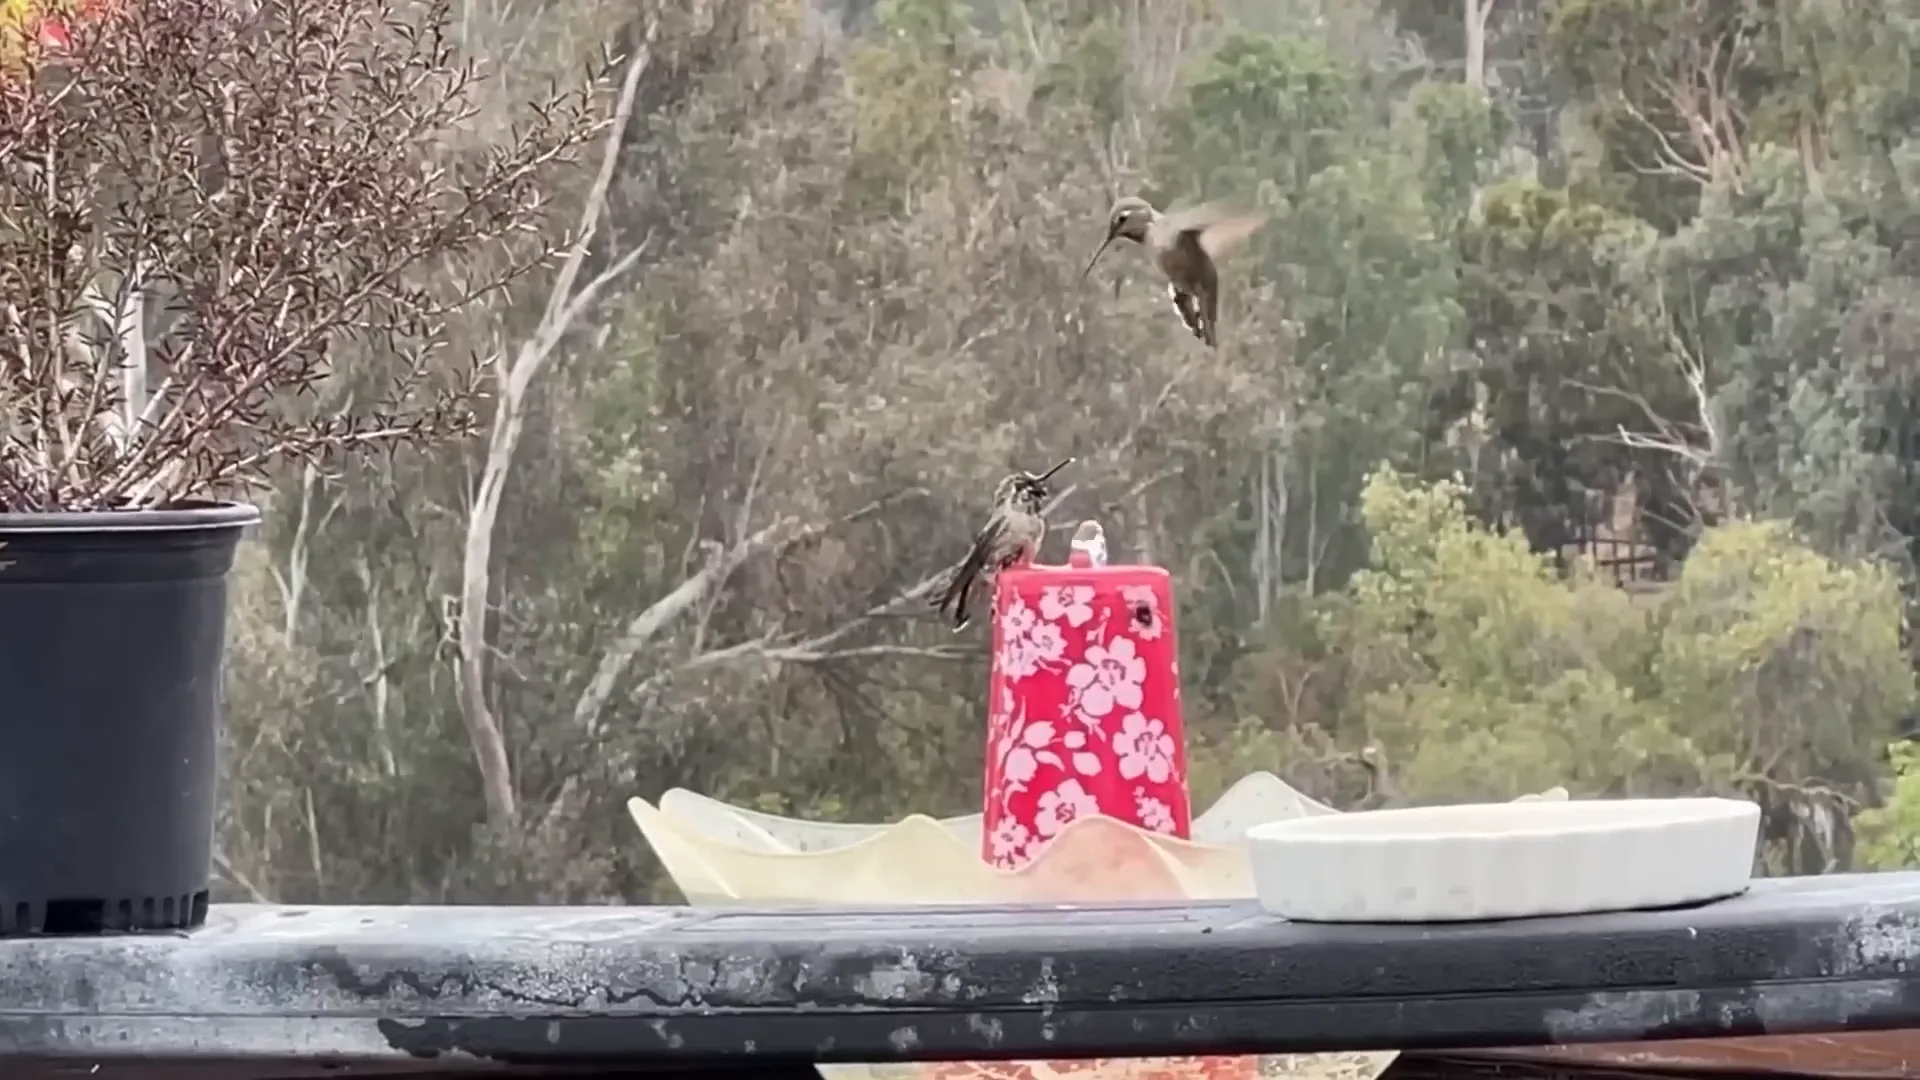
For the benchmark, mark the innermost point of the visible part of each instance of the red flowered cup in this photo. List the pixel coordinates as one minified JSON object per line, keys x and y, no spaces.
{"x":1084,"y":707}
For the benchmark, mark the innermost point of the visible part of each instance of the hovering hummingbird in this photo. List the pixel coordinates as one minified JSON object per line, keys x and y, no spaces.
{"x":1184,"y":245}
{"x":1092,"y":540}
{"x":1012,"y":535}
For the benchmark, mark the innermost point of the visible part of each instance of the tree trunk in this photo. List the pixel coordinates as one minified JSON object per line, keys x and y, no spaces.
{"x":1476,"y":13}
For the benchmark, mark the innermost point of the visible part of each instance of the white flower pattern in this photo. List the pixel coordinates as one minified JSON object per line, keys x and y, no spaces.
{"x":1009,"y":841}
{"x":1111,"y":676}
{"x":1026,"y":643}
{"x":1018,"y":619}
{"x":1000,"y":720}
{"x":1063,"y":806}
{"x":1144,"y":749}
{"x":1154,"y":814}
{"x":1021,"y":763}
{"x":1046,"y":644}
{"x":1074,"y":603}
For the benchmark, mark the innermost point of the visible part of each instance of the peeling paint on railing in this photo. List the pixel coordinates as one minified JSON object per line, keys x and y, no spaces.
{"x":597,"y":984}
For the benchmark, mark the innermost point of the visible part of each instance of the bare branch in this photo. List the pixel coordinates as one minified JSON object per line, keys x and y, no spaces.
{"x":509,"y":417}
{"x":779,"y":536}
{"x":1691,"y":89}
{"x":1671,"y":161}
{"x":379,"y":682}
{"x":225,"y":868}
{"x":313,"y":841}
{"x":1695,"y":443}
{"x":808,"y":652}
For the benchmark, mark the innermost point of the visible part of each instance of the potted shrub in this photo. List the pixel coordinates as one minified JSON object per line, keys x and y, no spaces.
{"x":204,"y":204}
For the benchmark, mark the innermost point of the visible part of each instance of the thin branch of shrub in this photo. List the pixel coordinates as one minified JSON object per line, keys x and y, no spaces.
{"x":201,"y":202}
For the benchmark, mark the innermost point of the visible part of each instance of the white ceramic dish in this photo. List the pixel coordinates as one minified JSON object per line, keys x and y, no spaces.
{"x":1503,"y":860}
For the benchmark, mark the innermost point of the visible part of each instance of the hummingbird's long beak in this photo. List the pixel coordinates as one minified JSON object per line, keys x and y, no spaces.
{"x":1096,"y":258}
{"x":1048,"y":475}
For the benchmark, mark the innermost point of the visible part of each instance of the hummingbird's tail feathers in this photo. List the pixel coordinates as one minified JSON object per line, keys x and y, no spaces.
{"x":953,"y":599}
{"x":953,"y":594}
{"x":963,"y":603}
{"x":1210,"y":316}
{"x":1189,"y":309}
{"x":959,"y":590}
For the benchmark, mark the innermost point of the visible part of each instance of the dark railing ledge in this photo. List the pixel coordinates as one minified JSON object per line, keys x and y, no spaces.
{"x":455,"y":987}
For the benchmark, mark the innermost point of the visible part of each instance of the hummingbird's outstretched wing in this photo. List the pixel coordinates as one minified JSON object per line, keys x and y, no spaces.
{"x":1216,"y":227}
{"x":956,"y":597}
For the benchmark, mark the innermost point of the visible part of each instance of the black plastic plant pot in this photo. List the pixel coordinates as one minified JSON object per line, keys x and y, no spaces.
{"x":112,"y":631}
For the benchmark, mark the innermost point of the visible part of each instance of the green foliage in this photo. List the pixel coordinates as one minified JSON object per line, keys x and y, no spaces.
{"x":1456,"y":132}
{"x":1486,"y":673}
{"x":1761,"y":632}
{"x":1792,"y":291}
{"x":1090,"y":72}
{"x":1481,"y":671}
{"x":900,"y":118}
{"x":1490,"y":673}
{"x":627,"y":493}
{"x":1491,"y":677}
{"x":1563,"y":320}
{"x":900,"y":90}
{"x":923,"y":23}
{"x":1889,"y":835}
{"x":1263,"y":110}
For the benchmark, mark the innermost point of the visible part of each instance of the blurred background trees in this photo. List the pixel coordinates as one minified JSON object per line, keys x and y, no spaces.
{"x":1563,"y":430}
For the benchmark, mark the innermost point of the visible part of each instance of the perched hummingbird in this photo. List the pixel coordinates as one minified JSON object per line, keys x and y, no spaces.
{"x":1092,"y":540}
{"x":1012,"y":534}
{"x":1184,"y":245}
